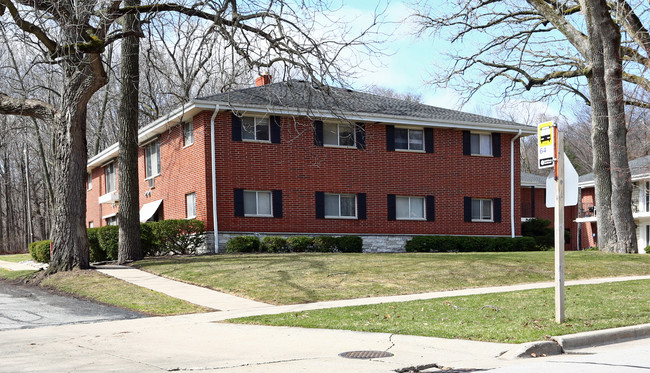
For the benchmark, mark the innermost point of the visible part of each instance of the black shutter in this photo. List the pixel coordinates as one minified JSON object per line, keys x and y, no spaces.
{"x":496,"y":209}
{"x":532,"y":201}
{"x":318,"y":133}
{"x":320,"y":205}
{"x":468,"y":208}
{"x":467,"y":143}
{"x":361,"y":206}
{"x":239,"y":202}
{"x":276,"y":130}
{"x":392,"y":207}
{"x":390,"y":138}
{"x":428,"y":140}
{"x":431,"y":208}
{"x":236,"y":127}
{"x":496,"y":144}
{"x":277,"y":203}
{"x":361,"y":135}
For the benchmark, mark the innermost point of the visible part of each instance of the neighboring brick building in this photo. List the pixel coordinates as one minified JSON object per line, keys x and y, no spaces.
{"x":640,"y":170}
{"x":290,"y":159}
{"x":533,"y":205}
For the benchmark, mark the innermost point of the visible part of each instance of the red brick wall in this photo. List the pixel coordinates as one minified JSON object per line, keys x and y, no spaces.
{"x":542,"y":212}
{"x":299,"y":168}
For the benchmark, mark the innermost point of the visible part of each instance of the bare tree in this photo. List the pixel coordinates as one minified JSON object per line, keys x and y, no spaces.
{"x":540,"y":44}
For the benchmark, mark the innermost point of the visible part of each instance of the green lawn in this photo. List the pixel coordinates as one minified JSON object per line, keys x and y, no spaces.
{"x":15,"y":258}
{"x":105,"y":289}
{"x":15,"y":275}
{"x":303,"y":278}
{"x":514,"y":317}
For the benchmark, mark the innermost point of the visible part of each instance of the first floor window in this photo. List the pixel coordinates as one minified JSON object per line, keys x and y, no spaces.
{"x":481,"y":144}
{"x":111,"y":177}
{"x":409,"y":139}
{"x":339,"y":134}
{"x":409,"y":208}
{"x":188,"y":134}
{"x":112,"y":220}
{"x":91,"y":224}
{"x":257,"y":203}
{"x":340,"y":206}
{"x":482,"y":210}
{"x":190,"y":205}
{"x":256,"y":129}
{"x":152,"y":159}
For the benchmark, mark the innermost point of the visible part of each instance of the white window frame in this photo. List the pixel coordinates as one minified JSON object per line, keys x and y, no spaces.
{"x":148,"y":155}
{"x":339,"y":216}
{"x":481,"y":151}
{"x":112,"y":220}
{"x":338,"y":135}
{"x":256,"y":121}
{"x":91,"y":224}
{"x":188,"y":129}
{"x":408,"y":139}
{"x":110,"y":175}
{"x":481,"y":212}
{"x":410,"y":198}
{"x":257,"y":203}
{"x":90,"y":181}
{"x":190,"y":205}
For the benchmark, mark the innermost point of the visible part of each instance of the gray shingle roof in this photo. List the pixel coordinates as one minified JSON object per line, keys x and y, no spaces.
{"x":532,"y":179}
{"x":298,"y":94}
{"x":638,"y":167}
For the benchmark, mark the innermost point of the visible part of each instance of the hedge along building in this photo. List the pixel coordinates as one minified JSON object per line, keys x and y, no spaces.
{"x":293,"y":159}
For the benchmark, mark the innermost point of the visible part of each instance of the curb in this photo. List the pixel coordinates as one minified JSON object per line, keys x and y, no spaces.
{"x":602,"y":337}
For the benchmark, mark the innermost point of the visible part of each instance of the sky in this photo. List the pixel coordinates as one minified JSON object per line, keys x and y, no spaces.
{"x":409,"y":62}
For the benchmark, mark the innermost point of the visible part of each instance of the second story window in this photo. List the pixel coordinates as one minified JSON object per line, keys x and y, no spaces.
{"x":255,"y":129}
{"x":111,"y":177}
{"x":481,"y":144}
{"x":188,"y":134}
{"x":152,"y":159}
{"x":335,"y":134}
{"x":90,"y":180}
{"x":409,"y":139}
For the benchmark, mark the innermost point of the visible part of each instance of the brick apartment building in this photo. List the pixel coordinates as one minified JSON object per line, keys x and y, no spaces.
{"x":292,"y":159}
{"x":640,"y":170}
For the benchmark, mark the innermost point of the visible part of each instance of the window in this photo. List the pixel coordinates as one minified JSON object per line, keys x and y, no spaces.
{"x":152,"y":159}
{"x":188,"y":134}
{"x":481,"y":144}
{"x":410,"y":208}
{"x":482,"y":210}
{"x":339,"y":134}
{"x":255,"y":129}
{"x":91,"y":224}
{"x":190,"y":205}
{"x":257,"y":203}
{"x":111,"y":179}
{"x":90,"y":181}
{"x":340,"y":206}
{"x":409,"y":139}
{"x":111,"y":220}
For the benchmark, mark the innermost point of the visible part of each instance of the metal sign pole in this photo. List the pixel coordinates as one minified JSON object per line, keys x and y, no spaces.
{"x":559,"y":226}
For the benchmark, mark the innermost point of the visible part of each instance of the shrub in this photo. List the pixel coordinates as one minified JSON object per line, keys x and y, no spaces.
{"x":243,"y":244}
{"x":325,"y":244}
{"x":40,"y":251}
{"x":179,"y":236}
{"x":108,"y":237}
{"x":274,"y":244}
{"x":647,"y":249}
{"x":299,"y":244}
{"x":349,"y":244}
{"x":469,"y":244}
{"x":96,"y":252}
{"x":539,"y":229}
{"x":148,"y":239}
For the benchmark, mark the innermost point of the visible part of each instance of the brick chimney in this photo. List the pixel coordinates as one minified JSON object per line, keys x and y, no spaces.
{"x":263,"y":79}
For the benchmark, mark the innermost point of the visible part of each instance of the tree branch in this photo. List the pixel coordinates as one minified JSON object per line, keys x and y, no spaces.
{"x":25,"y":107}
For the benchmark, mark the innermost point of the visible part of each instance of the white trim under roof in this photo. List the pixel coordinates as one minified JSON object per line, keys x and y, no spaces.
{"x":109,"y":216}
{"x":591,"y":183}
{"x":190,"y":109}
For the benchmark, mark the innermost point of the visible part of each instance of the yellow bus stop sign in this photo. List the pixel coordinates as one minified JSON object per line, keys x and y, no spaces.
{"x":545,"y":145}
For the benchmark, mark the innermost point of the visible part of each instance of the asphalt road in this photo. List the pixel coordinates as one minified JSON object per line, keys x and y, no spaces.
{"x":28,"y":307}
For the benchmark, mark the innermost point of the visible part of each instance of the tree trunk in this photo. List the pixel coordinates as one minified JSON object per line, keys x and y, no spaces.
{"x":130,"y":247}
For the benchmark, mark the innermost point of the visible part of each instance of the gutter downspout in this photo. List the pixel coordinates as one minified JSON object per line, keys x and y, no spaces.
{"x":214,"y":181}
{"x":512,"y":182}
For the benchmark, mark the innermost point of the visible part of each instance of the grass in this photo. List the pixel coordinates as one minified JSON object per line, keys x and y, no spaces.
{"x":514,"y":317}
{"x":15,"y":258}
{"x":304,"y":278}
{"x":105,"y":289}
{"x":15,"y":275}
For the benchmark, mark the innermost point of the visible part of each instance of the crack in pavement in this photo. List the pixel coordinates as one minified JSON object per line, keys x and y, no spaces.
{"x":237,"y":366}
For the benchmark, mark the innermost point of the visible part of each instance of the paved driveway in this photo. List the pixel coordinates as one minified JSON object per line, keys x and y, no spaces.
{"x":27,"y":307}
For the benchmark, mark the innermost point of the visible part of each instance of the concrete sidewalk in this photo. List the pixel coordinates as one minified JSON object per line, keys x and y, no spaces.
{"x":12,"y":266}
